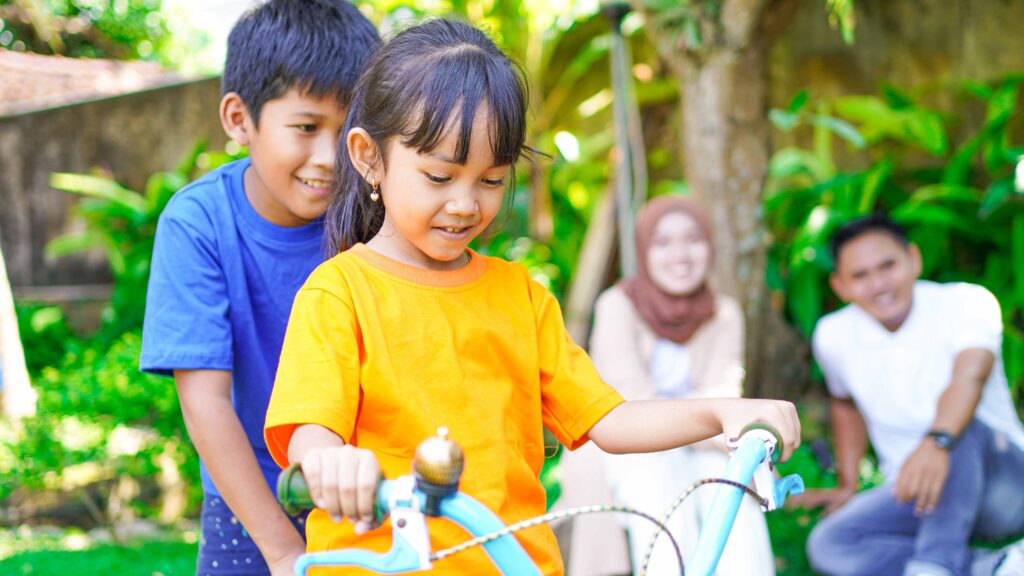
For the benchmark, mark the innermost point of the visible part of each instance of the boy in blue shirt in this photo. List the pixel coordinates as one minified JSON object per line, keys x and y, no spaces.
{"x":233,"y":248}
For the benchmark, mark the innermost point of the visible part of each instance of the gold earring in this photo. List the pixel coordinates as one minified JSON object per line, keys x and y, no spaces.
{"x":374,"y":192}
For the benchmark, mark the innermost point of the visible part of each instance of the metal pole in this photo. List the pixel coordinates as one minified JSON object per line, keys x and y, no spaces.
{"x":614,"y":12}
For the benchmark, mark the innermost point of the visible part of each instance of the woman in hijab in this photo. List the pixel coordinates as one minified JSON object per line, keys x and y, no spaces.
{"x":664,"y":333}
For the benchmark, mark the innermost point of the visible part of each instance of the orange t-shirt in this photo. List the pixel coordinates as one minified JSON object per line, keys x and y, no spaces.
{"x":383,"y":353}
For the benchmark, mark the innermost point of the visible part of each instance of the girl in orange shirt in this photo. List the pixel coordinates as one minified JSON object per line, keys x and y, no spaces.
{"x":408,"y":329}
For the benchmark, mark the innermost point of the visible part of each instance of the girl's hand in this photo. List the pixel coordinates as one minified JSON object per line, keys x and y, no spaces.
{"x":343,"y":482}
{"x":779,"y":414}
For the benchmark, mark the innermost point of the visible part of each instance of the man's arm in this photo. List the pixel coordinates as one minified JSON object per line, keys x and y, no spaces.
{"x":218,"y":436}
{"x":851,"y":443}
{"x":924,"y":473}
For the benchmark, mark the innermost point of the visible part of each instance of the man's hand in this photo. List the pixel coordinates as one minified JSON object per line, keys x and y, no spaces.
{"x":285,"y":566}
{"x":922,"y":477}
{"x":831,"y":499}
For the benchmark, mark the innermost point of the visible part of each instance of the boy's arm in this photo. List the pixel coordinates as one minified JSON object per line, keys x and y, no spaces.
{"x":218,"y":436}
{"x":655,"y":425}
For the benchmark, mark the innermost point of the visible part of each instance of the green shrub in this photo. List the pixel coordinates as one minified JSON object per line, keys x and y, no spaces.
{"x":99,"y":421}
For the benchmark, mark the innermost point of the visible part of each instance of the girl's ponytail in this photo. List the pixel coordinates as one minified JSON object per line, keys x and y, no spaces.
{"x":351,"y":218}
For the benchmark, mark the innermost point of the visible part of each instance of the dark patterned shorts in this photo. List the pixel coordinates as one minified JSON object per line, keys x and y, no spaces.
{"x":225,"y":548}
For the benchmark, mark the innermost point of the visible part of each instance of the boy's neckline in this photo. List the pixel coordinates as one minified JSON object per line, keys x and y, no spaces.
{"x":310,"y":232}
{"x":472,"y":271}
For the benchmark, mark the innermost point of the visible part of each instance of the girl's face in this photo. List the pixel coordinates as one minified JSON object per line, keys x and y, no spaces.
{"x":436,"y":206}
{"x":679,"y":254}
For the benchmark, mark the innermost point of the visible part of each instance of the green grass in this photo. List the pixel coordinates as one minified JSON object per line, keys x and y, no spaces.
{"x":152,"y":558}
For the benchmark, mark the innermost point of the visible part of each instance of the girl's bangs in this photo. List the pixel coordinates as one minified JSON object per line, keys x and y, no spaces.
{"x":449,"y":99}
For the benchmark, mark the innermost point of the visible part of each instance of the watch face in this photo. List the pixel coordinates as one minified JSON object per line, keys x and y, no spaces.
{"x":943,"y":440}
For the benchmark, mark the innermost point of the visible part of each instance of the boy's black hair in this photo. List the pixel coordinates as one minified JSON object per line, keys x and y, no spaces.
{"x":317,"y":46}
{"x":857,"y":227}
{"x":424,"y":84}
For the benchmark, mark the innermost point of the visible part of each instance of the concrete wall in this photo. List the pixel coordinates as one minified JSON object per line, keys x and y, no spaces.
{"x":131,"y":136}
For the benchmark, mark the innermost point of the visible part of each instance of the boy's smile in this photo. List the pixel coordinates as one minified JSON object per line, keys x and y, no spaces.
{"x":292,"y":151}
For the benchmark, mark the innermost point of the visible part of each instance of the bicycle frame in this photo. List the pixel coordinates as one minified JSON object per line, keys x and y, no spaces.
{"x":407,"y":504}
{"x":751,"y":459}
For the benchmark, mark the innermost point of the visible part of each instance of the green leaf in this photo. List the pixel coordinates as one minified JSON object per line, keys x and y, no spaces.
{"x":190,"y":161}
{"x":783,"y":120}
{"x":996,"y":194}
{"x":874,"y":181}
{"x":896,"y":99}
{"x":161,"y":186}
{"x":804,"y":297}
{"x":98,"y":187}
{"x":798,"y":101}
{"x":73,"y":243}
{"x":790,"y":162}
{"x":934,"y":215}
{"x":944,"y":192}
{"x":928,"y":130}
{"x":840,"y":128}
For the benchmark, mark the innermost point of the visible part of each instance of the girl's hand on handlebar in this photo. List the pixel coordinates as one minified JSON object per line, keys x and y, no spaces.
{"x":778,"y":414}
{"x":343,"y":482}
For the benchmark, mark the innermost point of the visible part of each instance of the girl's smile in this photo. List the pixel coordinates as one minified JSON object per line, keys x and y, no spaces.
{"x":434,"y":205}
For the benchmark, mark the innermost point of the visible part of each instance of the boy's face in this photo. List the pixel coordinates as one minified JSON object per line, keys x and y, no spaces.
{"x":877,"y":272}
{"x":292,"y":151}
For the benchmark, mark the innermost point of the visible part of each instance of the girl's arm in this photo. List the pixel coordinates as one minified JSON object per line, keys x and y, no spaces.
{"x":342,"y":479}
{"x":218,"y":436}
{"x":655,"y":425}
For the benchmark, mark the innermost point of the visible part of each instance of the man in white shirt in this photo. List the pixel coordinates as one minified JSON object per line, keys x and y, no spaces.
{"x":916,"y":367}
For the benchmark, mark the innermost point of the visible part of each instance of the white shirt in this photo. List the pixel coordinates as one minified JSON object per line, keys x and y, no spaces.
{"x":670,"y":369}
{"x":896,"y":378}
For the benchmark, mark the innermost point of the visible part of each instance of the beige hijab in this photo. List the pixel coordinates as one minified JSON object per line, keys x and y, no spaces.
{"x":676,"y":318}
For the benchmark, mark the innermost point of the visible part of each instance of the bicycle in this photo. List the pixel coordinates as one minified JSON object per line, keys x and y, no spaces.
{"x":432,"y":490}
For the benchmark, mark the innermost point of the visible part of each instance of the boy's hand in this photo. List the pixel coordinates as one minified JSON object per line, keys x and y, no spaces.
{"x":779,"y":414}
{"x":343,"y":482}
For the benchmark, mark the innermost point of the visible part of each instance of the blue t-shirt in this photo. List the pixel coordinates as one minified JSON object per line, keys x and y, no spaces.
{"x":220,"y":292}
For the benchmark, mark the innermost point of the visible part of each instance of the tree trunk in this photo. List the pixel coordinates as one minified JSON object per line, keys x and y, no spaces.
{"x":725,"y":149}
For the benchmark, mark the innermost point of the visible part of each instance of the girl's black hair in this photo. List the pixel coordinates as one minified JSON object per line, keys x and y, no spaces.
{"x":426,"y":82}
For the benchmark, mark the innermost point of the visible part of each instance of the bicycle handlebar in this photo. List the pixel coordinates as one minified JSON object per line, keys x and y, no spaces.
{"x":408,"y":498}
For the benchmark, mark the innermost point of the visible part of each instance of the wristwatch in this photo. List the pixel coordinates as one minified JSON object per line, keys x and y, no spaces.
{"x":943,"y":439}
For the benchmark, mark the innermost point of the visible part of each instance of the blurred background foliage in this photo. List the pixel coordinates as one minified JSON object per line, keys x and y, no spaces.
{"x":115,"y":29}
{"x":108,"y":444}
{"x":957,"y":196}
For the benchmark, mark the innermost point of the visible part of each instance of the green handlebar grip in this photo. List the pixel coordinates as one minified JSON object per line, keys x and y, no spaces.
{"x":293,"y":493}
{"x":292,"y":490}
{"x":777,"y":453}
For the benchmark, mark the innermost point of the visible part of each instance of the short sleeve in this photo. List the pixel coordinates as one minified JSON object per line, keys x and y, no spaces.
{"x":186,"y":325}
{"x":979,"y":322}
{"x":318,"y":375}
{"x":573,"y":395}
{"x":822,"y":344}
